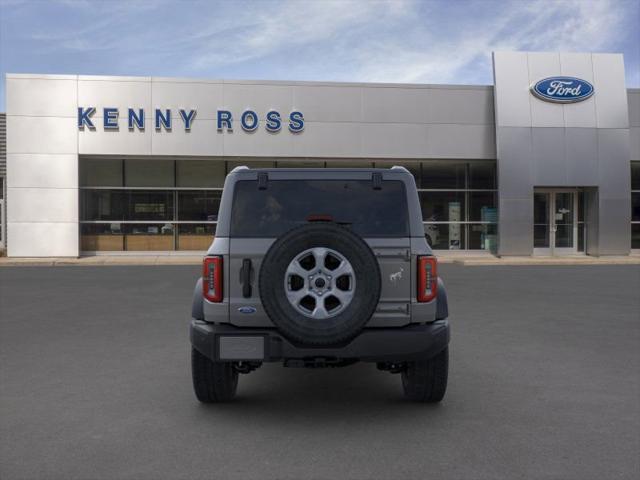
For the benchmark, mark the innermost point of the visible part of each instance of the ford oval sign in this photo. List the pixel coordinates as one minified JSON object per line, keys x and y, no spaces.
{"x":247,"y":310}
{"x":562,"y":89}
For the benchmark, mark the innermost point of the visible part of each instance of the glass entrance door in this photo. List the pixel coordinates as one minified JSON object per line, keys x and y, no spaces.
{"x":555,"y":222}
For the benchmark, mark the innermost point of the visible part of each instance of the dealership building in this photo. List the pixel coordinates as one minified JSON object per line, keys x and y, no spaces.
{"x":546,"y":161}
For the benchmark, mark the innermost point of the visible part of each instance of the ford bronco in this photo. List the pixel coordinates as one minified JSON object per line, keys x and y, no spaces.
{"x":319,"y":268}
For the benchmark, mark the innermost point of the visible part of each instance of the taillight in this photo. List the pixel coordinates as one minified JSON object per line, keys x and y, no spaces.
{"x":427,"y":278}
{"x":212,"y":279}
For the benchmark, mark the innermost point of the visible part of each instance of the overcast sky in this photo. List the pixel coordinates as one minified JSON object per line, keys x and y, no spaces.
{"x":443,"y":41}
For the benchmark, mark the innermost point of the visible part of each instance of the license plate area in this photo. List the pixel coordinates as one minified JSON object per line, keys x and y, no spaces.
{"x":241,"y":347}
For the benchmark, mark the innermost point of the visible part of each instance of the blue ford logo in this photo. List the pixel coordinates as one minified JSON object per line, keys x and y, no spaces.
{"x":562,"y":89}
{"x":247,"y":310}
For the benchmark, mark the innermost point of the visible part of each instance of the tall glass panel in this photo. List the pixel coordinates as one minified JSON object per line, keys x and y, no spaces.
{"x":635,"y":206}
{"x":445,"y":236}
{"x":635,"y":235}
{"x":564,"y":219}
{"x":201,"y":205}
{"x":103,"y":205}
{"x":250,"y":164}
{"x":443,"y":175}
{"x":635,"y":175}
{"x":200,"y":173}
{"x":482,"y":206}
{"x":483,"y":237}
{"x":442,"y":206}
{"x":541,"y":220}
{"x":101,"y":172}
{"x":482,"y":175}
{"x":150,"y":205}
{"x":149,"y":173}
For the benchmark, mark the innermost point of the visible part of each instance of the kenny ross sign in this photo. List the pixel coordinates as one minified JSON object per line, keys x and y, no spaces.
{"x":562,"y":89}
{"x":162,"y":119}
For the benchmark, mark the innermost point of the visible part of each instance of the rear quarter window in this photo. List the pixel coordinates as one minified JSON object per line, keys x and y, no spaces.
{"x":286,"y":204}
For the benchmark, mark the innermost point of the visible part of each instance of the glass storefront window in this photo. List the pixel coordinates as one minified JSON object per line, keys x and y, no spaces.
{"x":155,"y":191}
{"x":199,"y":205}
{"x":200,"y":173}
{"x":635,"y":206}
{"x":443,"y":175}
{"x":442,"y":206}
{"x":150,"y":205}
{"x":101,"y":172}
{"x":155,"y":237}
{"x":149,"y":173}
{"x":635,"y":175}
{"x":635,"y":235}
{"x":445,"y":236}
{"x":483,"y":237}
{"x":348,"y":164}
{"x":103,"y":205}
{"x":299,"y":164}
{"x":101,"y":237}
{"x":250,"y":164}
{"x":482,"y":175}
{"x":482,"y":206}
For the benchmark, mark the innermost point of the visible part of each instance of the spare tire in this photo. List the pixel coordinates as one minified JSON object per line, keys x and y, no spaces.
{"x":320,"y":284}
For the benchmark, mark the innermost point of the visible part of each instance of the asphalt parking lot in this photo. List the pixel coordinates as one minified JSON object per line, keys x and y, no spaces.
{"x":95,"y":384}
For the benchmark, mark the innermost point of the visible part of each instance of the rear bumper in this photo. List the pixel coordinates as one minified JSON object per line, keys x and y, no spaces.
{"x":229,"y":343}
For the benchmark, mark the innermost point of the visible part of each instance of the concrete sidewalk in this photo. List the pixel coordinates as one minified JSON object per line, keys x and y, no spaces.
{"x":466,"y":260}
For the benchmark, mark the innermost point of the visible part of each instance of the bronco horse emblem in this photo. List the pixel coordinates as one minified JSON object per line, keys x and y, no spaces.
{"x":394,"y":277}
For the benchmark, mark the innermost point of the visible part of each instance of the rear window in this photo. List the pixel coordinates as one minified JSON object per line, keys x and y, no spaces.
{"x":285,"y":204}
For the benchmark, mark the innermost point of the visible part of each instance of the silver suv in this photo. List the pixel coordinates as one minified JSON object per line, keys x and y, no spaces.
{"x":319,"y":268}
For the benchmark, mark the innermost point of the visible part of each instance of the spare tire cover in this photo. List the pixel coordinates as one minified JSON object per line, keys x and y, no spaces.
{"x":320,"y":284}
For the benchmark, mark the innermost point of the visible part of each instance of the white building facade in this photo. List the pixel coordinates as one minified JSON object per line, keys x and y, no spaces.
{"x":136,"y":164}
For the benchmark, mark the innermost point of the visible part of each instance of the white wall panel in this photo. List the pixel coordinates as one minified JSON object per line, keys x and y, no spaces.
{"x":203,"y":139}
{"x":259,"y":143}
{"x":42,"y":239}
{"x":42,"y":171}
{"x":392,"y":104}
{"x":259,"y":98}
{"x":115,"y":93}
{"x":461,"y":106}
{"x":633,"y":96}
{"x":544,"y":114}
{"x":116,"y":142}
{"x":321,"y":103}
{"x":43,"y":97}
{"x":394,"y":140}
{"x":512,"y":89}
{"x":579,"y":114}
{"x":328,"y":140}
{"x":461,"y":141}
{"x":42,"y":205}
{"x":206,"y":98}
{"x":41,"y":135}
{"x":612,"y":109}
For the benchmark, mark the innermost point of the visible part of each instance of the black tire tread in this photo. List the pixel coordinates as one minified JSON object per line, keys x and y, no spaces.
{"x":426,"y":380}
{"x":213,"y":382}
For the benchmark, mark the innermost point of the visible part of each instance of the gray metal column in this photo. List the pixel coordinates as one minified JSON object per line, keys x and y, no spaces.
{"x":543,"y":144}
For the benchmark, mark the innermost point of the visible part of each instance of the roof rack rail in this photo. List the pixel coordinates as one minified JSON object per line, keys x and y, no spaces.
{"x":238,"y":168}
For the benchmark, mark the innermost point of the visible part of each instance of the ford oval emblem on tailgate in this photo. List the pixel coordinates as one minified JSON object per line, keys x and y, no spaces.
{"x":247,"y":310}
{"x":562,"y":89}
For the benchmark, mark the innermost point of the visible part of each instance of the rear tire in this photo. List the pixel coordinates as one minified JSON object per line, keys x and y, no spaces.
{"x":213,"y":382}
{"x":426,"y":380}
